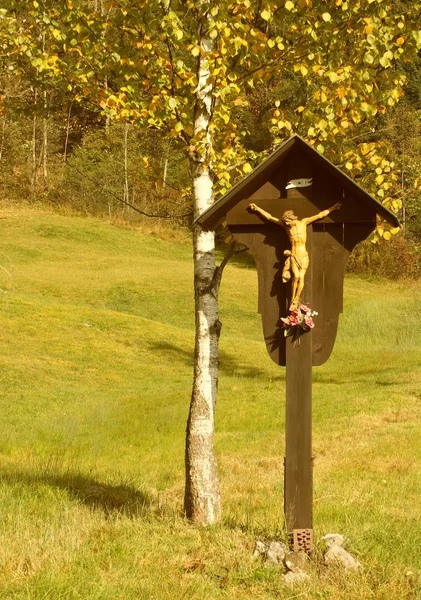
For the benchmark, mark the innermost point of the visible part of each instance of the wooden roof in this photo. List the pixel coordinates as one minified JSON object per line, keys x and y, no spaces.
{"x":214,"y":214}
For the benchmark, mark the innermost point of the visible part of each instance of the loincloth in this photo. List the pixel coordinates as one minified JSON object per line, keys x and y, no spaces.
{"x":292,"y":261}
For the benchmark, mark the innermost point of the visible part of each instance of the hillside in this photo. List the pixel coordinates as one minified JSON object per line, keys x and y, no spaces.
{"x":96,"y":355}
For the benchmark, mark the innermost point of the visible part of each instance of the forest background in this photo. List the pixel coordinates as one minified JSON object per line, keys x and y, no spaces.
{"x":59,"y":149}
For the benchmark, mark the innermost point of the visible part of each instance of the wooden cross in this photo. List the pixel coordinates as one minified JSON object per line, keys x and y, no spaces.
{"x":329,"y":243}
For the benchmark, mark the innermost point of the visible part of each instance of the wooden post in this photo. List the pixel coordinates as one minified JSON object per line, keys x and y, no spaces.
{"x":298,"y":476}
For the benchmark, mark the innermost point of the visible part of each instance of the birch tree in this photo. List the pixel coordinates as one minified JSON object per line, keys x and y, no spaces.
{"x":188,"y":68}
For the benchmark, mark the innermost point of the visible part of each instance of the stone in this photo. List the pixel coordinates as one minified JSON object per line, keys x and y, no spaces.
{"x":296,"y":562}
{"x":275,"y":554}
{"x":333,"y":539}
{"x":292,"y":578}
{"x":260,"y":549}
{"x":336,"y":555}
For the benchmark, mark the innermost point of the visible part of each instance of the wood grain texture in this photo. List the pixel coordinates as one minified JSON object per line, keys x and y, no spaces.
{"x":267,"y":244}
{"x":298,"y":478}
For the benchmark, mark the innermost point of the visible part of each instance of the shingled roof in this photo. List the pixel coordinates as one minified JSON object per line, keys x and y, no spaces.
{"x":214,"y":214}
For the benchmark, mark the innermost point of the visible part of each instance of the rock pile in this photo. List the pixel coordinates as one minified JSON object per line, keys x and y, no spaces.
{"x":295,"y":564}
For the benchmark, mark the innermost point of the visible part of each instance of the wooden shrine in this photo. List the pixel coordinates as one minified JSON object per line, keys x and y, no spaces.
{"x":316,"y":185}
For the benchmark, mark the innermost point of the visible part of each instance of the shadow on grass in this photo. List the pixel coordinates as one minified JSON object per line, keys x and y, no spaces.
{"x":359,"y":376}
{"x":228,"y":364}
{"x":111,"y":499}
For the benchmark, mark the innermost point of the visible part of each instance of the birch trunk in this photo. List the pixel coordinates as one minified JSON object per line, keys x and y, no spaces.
{"x":34,"y":151}
{"x":202,"y":500}
{"x":66,"y":141}
{"x":45,"y":142}
{"x":126,"y":166}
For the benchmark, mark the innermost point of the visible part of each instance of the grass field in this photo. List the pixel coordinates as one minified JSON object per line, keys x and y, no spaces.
{"x":96,"y":356}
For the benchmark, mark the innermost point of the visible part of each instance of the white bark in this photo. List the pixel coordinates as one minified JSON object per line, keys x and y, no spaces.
{"x":202,"y":495}
{"x":126,"y":165}
{"x":66,"y":141}
{"x":34,"y":150}
{"x":45,"y":142}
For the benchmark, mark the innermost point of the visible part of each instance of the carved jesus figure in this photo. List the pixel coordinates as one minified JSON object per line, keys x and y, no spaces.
{"x":297,"y":259}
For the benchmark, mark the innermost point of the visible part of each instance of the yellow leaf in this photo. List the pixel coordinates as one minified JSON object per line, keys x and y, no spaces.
{"x":326,"y":17}
{"x":395,"y":230}
{"x":266,"y":15}
{"x":300,"y":109}
{"x":400,"y":41}
{"x":387,"y":235}
{"x":348,"y":166}
{"x":289,"y":5}
{"x":247,"y":168}
{"x":303,"y":70}
{"x":271,"y":43}
{"x":195,"y":50}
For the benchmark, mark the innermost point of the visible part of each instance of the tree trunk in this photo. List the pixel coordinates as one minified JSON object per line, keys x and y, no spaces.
{"x":66,"y":141}
{"x":126,"y":167}
{"x":202,"y":500}
{"x":202,"y":497}
{"x":45,"y":142}
{"x":34,"y":151}
{"x":3,"y":137}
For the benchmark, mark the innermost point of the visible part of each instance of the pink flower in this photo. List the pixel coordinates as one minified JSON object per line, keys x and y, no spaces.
{"x":309,"y":322}
{"x":294,"y":320}
{"x":304,"y":308}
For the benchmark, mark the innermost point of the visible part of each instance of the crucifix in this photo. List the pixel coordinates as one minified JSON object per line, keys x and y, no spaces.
{"x":300,"y":218}
{"x":297,"y":259}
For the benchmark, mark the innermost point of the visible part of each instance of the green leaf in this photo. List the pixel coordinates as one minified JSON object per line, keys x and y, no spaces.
{"x":417,"y":37}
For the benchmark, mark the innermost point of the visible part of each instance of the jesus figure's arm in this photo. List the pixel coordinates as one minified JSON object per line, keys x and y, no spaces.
{"x":254,"y":208}
{"x":322,"y":214}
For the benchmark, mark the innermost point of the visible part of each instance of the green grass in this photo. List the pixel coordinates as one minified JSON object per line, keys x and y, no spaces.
{"x":96,"y":356}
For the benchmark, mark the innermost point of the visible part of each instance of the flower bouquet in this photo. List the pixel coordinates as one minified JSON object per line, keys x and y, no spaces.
{"x":298,"y":321}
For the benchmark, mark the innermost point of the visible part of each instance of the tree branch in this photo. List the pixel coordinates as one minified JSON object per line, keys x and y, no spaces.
{"x":233,"y":250}
{"x":125,"y":202}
